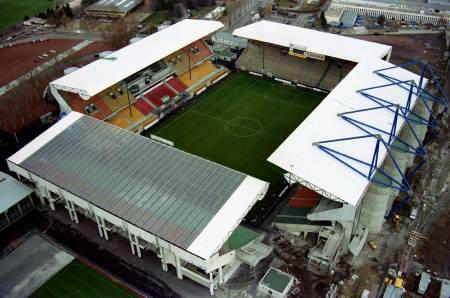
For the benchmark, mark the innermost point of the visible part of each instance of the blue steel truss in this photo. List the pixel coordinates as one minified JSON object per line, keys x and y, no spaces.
{"x":372,"y":167}
{"x":420,"y":150}
{"x":425,"y":68}
{"x":404,"y":111}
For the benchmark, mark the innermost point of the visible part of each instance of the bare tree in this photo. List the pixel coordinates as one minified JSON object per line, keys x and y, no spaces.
{"x":118,"y":34}
{"x":381,"y":20}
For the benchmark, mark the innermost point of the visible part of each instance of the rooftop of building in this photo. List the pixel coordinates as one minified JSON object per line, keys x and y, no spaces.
{"x":122,"y":6}
{"x":298,"y":155}
{"x":327,"y":44}
{"x":276,"y":280}
{"x":398,"y":3}
{"x":105,"y":72}
{"x":12,"y":191}
{"x":186,"y":200}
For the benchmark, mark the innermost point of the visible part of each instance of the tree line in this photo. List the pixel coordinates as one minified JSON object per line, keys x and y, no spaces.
{"x":57,"y":15}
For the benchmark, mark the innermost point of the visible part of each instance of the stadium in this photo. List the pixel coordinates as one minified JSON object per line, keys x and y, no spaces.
{"x":321,"y":120}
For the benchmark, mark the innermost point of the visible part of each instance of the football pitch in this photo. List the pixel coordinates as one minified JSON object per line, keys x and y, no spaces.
{"x":240,"y":122}
{"x":77,"y":280}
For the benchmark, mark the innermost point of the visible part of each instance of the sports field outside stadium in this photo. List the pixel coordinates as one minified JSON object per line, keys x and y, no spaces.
{"x":13,"y":11}
{"x":78,"y":280}
{"x":240,"y":122}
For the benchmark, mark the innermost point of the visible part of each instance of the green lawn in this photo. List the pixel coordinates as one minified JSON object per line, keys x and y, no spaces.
{"x":77,"y":280}
{"x":13,"y":11}
{"x":240,"y":123}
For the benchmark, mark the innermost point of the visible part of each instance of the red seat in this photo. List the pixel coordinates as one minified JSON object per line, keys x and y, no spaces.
{"x":156,"y":94}
{"x":143,"y":107}
{"x":177,"y":84}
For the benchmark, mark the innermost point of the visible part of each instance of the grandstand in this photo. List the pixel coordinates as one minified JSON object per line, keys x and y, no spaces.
{"x":354,"y":148}
{"x":183,"y":208}
{"x":175,"y":84}
{"x":302,"y":56}
{"x":324,"y":75}
{"x":173,"y":66}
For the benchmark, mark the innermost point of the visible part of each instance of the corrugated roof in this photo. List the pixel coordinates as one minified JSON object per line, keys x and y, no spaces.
{"x":115,"y":5}
{"x":165,"y":191}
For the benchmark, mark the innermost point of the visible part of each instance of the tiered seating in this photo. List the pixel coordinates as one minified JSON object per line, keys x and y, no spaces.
{"x":123,"y":118}
{"x":180,"y":60}
{"x":120,"y":100}
{"x":143,"y":106}
{"x":304,"y":198}
{"x":197,"y":73}
{"x":78,"y":104}
{"x":298,"y":207}
{"x":304,"y":71}
{"x":196,"y":52}
{"x":156,"y":94}
{"x":199,"y":52}
{"x":331,"y":78}
{"x":156,"y":101}
{"x":118,"y":121}
{"x":346,"y":68}
{"x":176,"y":84}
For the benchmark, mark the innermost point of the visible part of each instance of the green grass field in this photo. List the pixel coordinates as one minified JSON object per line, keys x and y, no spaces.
{"x":13,"y":11}
{"x":240,"y":123}
{"x":77,"y":280}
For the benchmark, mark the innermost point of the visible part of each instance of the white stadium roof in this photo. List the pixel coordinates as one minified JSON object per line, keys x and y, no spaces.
{"x":186,"y":200}
{"x":327,"y":44}
{"x":103,"y":73}
{"x":297,"y":154}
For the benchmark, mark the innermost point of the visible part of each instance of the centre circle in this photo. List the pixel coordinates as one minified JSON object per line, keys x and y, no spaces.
{"x":243,"y":127}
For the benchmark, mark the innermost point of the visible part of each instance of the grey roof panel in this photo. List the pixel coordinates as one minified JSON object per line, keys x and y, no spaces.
{"x":165,"y":191}
{"x":115,"y":5}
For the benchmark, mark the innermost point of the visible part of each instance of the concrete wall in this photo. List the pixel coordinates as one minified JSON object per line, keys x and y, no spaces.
{"x":379,"y":199}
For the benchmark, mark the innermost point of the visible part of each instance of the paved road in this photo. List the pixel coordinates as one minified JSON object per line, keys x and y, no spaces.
{"x":29,"y":266}
{"x":244,"y":14}
{"x":56,"y":35}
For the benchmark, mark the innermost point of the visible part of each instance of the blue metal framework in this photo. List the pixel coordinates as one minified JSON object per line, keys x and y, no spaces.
{"x":420,"y":150}
{"x":372,"y":166}
{"x":399,"y":205}
{"x":393,"y":141}
{"x":426,"y":68}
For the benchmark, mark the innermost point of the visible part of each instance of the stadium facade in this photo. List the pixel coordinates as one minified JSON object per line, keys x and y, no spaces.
{"x":183,"y":208}
{"x":346,"y":161}
{"x":350,"y":155}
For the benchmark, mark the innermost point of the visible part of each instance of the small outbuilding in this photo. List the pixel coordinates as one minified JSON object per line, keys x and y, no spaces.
{"x":15,"y":200}
{"x":276,"y":283}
